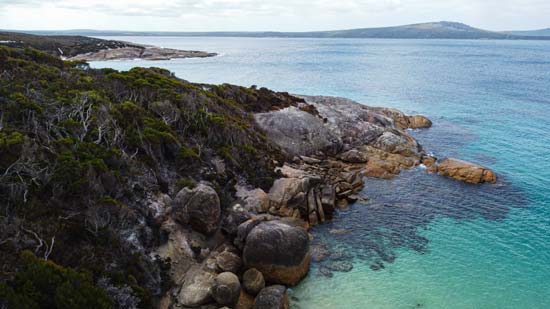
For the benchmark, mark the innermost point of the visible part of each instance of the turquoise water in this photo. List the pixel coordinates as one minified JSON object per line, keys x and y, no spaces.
{"x":421,"y":240}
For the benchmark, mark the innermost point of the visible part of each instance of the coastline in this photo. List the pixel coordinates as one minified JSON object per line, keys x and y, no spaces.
{"x":81,"y":48}
{"x":331,"y":143}
{"x":311,"y":155}
{"x":143,"y":52}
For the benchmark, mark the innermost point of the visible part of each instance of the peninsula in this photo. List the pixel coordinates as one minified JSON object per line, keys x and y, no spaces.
{"x":94,"y":49}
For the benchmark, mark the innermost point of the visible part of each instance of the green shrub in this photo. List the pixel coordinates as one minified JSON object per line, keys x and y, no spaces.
{"x":11,"y":145}
{"x":186,"y":183}
{"x":44,"y":284}
{"x":187,"y":153}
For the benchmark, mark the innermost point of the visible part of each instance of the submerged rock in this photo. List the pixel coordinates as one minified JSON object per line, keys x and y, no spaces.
{"x":340,"y":266}
{"x":319,"y":252}
{"x":341,"y":231}
{"x":466,"y":171}
{"x":273,"y":297}
{"x":325,"y":271}
{"x":279,"y":251}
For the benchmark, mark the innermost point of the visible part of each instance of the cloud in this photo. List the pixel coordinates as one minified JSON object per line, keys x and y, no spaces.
{"x":283,"y":15}
{"x":175,"y":8}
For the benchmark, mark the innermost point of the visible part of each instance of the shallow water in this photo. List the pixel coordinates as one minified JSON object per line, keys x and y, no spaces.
{"x":422,"y":241}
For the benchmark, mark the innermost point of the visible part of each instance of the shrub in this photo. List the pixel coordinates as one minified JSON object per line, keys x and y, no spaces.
{"x":185,"y":183}
{"x":44,"y":284}
{"x":11,"y":145}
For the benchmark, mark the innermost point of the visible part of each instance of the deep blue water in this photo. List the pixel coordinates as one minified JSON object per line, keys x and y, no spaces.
{"x":422,"y":240}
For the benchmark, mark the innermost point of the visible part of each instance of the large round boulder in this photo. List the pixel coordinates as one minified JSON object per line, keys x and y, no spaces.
{"x":279,"y":251}
{"x":273,"y":297}
{"x":199,"y":207}
{"x":196,"y":288}
{"x":253,"y":281}
{"x":226,"y":289}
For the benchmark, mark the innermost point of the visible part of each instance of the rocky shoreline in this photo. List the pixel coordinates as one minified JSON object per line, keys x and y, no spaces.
{"x":246,"y":256}
{"x":144,"y":52}
{"x":169,"y":194}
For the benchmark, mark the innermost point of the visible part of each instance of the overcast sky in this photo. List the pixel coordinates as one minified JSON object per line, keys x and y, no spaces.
{"x":280,"y":15}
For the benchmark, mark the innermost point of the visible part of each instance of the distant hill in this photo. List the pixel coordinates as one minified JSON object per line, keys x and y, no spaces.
{"x":433,"y":30}
{"x":541,"y":32}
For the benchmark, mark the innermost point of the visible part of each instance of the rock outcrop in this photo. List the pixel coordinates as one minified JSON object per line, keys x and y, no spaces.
{"x":297,"y":131}
{"x":354,"y":156}
{"x":141,"y":52}
{"x":279,"y":251}
{"x":466,"y":171}
{"x":402,"y":120}
{"x":333,"y":144}
{"x":351,"y":132}
{"x":272,"y":297}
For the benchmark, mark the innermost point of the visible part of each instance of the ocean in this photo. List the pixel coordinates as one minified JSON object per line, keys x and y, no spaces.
{"x":421,"y":241}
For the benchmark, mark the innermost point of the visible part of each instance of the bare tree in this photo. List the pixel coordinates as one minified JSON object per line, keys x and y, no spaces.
{"x":48,"y":247}
{"x":166,"y":111}
{"x":83,"y":110}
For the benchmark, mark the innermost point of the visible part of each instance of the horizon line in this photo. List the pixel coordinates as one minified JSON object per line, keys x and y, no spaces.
{"x":267,"y":31}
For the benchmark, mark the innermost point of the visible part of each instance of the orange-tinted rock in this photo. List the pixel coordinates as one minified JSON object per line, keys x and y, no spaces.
{"x":246,"y":301}
{"x":430,"y":163}
{"x":418,"y":122}
{"x":466,"y":171}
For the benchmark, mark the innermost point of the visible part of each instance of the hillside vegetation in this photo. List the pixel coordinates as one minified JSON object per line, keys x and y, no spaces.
{"x":61,"y":45}
{"x":81,"y":153}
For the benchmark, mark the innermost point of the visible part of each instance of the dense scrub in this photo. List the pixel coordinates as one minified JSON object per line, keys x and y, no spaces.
{"x":83,"y":151}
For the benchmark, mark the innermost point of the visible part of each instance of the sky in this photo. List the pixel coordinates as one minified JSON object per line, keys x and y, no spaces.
{"x":262,"y":15}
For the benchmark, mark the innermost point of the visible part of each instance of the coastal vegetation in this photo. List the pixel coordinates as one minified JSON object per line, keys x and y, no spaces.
{"x":79,"y":151}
